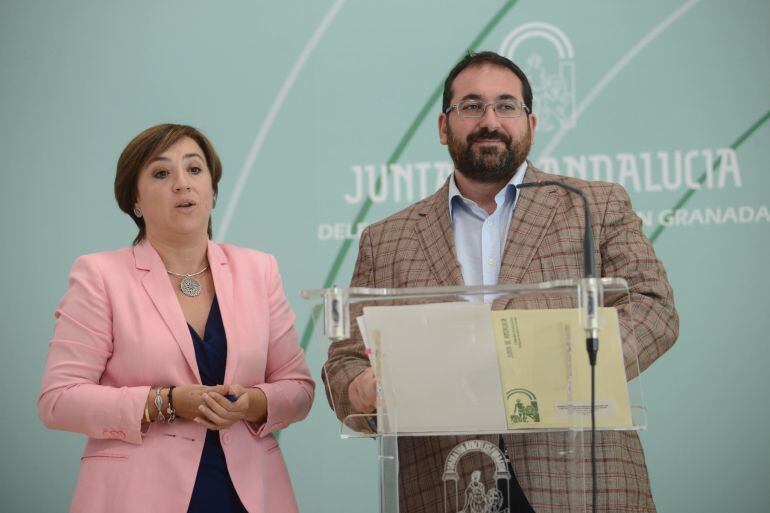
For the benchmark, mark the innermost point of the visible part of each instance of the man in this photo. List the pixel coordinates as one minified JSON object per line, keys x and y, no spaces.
{"x":479,"y":229}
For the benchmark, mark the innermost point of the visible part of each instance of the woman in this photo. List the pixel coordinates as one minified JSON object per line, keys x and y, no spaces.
{"x":178,"y":356}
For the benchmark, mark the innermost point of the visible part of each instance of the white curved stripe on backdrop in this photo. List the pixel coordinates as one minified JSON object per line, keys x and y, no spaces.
{"x":267,"y":124}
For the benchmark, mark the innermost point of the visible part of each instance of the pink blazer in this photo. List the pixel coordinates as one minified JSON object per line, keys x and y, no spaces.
{"x":120,"y":330}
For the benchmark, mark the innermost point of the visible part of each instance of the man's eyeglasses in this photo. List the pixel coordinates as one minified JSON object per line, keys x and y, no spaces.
{"x":476,"y":108}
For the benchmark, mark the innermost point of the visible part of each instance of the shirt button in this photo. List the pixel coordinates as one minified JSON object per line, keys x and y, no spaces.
{"x":225,"y":438}
{"x":491,"y":261}
{"x":491,"y":223}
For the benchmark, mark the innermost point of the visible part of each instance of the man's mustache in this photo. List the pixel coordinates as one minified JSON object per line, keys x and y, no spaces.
{"x":488,"y":135}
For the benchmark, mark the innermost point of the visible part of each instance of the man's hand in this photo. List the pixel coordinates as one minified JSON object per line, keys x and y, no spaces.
{"x":363,"y":392}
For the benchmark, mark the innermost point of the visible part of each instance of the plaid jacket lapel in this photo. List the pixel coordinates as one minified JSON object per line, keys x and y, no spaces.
{"x":434,"y":230}
{"x":535,"y":209}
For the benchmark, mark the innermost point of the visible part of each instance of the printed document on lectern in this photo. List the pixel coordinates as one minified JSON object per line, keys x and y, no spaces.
{"x":461,"y":367}
{"x":545,"y":373}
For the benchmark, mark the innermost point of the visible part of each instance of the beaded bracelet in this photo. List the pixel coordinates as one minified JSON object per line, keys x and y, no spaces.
{"x":171,"y":411}
{"x":159,"y":404}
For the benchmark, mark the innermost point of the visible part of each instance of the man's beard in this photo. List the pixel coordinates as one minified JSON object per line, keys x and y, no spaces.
{"x":488,"y":164}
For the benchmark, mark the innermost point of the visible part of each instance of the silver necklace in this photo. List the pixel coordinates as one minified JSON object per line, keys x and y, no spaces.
{"x":190,"y":287}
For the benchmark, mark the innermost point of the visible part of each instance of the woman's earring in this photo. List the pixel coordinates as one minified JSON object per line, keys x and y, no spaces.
{"x":137,"y":212}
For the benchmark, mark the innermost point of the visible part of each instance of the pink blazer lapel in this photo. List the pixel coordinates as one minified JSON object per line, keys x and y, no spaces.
{"x":158,"y":287}
{"x":223,"y":284}
{"x":535,"y":209}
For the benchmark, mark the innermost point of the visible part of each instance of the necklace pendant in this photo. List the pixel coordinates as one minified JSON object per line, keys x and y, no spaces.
{"x":190,"y":287}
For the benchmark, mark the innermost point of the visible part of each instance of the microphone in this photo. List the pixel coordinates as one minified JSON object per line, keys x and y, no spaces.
{"x":590,"y":300}
{"x":591,"y":292}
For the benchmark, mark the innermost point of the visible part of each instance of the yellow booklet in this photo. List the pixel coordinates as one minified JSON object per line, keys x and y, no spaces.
{"x":541,"y":352}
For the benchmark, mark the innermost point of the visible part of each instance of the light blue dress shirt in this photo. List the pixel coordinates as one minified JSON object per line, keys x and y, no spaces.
{"x":480,"y":237}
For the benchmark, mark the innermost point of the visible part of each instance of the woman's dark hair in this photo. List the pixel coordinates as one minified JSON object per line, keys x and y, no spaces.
{"x":144,"y":148}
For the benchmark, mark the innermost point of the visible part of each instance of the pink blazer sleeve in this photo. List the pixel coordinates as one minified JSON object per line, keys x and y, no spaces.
{"x":288,"y":385}
{"x":71,"y":398}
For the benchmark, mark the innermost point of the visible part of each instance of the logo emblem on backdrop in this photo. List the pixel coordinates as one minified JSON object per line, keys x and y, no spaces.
{"x":546,"y":55}
{"x":476,"y":492}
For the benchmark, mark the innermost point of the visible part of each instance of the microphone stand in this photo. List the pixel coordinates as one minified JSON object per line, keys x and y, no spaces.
{"x":590,"y":301}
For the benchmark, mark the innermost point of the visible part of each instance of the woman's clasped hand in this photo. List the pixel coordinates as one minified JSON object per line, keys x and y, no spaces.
{"x":219,"y":407}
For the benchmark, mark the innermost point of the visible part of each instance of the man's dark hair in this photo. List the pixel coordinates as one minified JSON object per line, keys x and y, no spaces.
{"x":477,"y":59}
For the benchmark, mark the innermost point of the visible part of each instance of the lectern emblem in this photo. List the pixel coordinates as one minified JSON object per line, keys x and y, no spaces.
{"x":470,"y":494}
{"x":546,"y":55}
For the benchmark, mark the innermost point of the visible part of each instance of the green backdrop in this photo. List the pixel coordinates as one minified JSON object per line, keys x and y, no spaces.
{"x":303,"y":98}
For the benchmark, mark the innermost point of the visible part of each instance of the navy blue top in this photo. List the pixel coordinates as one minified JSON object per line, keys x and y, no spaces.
{"x":214,"y":489}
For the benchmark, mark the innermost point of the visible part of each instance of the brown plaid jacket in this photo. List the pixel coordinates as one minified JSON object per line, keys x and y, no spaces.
{"x":415,"y":248}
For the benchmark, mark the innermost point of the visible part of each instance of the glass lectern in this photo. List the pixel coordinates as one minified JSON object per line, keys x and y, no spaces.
{"x":478,"y":386}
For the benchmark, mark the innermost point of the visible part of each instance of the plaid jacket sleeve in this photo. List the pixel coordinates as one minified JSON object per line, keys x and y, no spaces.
{"x":346,"y":359}
{"x":649,"y":322}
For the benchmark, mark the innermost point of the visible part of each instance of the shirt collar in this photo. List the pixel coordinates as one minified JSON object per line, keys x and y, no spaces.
{"x":510,"y":187}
